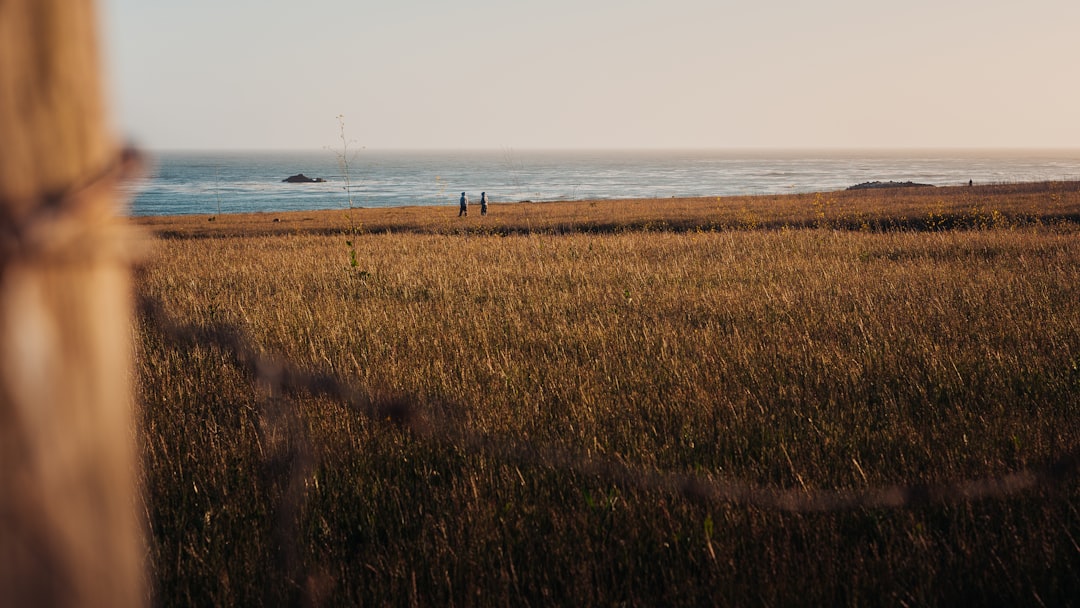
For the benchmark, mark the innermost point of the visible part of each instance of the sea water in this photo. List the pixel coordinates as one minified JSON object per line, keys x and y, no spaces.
{"x":239,"y":182}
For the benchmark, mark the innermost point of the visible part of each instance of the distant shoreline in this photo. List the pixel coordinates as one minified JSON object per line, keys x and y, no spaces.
{"x":245,"y":183}
{"x":877,"y":208}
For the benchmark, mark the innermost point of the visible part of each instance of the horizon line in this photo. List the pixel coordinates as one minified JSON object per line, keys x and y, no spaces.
{"x":714,"y":149}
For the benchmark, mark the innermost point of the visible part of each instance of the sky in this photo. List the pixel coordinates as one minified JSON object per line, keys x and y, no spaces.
{"x":593,"y":74}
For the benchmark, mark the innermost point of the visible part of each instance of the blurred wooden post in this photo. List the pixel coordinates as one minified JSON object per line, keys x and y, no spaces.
{"x":69,"y":534}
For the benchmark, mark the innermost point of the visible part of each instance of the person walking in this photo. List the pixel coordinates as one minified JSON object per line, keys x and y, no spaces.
{"x":464,"y":210}
{"x":483,"y":203}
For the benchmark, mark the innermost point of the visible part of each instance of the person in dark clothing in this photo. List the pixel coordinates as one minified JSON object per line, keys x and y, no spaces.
{"x":464,"y":209}
{"x":483,"y":203}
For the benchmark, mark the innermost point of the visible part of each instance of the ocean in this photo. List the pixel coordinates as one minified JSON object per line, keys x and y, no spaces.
{"x":178,"y":183}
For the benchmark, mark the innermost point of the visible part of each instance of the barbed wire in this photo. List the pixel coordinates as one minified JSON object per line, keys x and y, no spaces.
{"x":288,"y":462}
{"x":74,"y":225}
{"x":279,"y":378}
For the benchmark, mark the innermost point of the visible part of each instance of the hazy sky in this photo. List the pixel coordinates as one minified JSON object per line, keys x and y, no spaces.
{"x":254,"y":74}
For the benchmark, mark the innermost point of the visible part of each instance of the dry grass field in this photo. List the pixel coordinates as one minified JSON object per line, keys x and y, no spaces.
{"x":525,"y":385}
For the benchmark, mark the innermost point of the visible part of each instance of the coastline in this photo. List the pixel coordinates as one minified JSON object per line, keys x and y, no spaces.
{"x":248,"y":182}
{"x":879,"y":208}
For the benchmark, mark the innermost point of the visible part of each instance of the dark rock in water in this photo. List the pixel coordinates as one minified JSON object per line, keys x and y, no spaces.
{"x":300,"y":178}
{"x":873,"y":185}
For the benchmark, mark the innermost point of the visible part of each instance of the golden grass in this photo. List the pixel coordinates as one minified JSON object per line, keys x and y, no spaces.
{"x":840,"y":340}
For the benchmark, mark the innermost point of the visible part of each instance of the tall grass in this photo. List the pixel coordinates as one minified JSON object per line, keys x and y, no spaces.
{"x":802,"y":356}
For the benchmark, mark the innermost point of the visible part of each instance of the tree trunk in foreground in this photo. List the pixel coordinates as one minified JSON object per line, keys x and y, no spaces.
{"x":69,"y":534}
